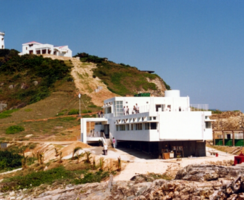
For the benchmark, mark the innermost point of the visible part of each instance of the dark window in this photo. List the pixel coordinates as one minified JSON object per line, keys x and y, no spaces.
{"x":153,"y":125}
{"x":208,"y":125}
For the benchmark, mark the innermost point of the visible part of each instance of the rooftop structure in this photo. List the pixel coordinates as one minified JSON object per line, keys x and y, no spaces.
{"x":38,"y":48}
{"x":2,"y":46}
{"x":155,"y":122}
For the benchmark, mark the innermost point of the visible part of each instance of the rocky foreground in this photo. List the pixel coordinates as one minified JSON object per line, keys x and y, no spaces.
{"x":192,"y":182}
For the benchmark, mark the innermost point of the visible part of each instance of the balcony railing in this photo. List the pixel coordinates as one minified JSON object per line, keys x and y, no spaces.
{"x":199,"y":107}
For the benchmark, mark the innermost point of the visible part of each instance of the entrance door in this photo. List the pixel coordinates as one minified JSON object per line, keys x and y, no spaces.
{"x":106,"y":130}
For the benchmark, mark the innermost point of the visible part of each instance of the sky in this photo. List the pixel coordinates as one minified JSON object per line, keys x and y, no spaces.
{"x":195,"y":46}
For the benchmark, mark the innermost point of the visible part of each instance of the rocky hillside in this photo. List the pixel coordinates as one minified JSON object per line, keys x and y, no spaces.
{"x":124,"y":79}
{"x":193,"y":182}
{"x":229,"y":120}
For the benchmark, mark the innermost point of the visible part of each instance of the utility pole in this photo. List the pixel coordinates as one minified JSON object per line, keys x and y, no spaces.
{"x":79,"y":95}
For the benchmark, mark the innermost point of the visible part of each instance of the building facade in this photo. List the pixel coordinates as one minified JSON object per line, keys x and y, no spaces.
{"x":157,"y":122}
{"x":2,"y":46}
{"x":39,"y":49}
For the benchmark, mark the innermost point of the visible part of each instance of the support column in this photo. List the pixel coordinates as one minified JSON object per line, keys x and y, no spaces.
{"x":233,"y":138}
{"x":83,"y":130}
{"x":223,"y":133}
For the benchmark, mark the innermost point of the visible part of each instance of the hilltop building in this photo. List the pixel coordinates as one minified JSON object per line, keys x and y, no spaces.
{"x":153,"y":124}
{"x":38,"y":48}
{"x":2,"y":40}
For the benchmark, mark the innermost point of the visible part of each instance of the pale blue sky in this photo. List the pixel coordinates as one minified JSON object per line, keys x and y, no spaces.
{"x":196,"y":46}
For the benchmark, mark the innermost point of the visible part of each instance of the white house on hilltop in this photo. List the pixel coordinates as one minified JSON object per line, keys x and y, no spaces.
{"x":152,"y":124}
{"x":38,"y":48}
{"x":2,"y":40}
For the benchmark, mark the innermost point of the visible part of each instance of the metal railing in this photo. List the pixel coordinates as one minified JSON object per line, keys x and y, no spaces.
{"x":199,"y":107}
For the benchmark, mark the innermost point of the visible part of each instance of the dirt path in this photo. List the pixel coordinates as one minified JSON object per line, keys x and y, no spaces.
{"x":86,"y":84}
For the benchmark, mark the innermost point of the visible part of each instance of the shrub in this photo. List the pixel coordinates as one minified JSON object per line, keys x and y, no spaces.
{"x":86,"y":111}
{"x":14,"y":129}
{"x":67,"y":119}
{"x":9,"y":160}
{"x":73,"y":112}
{"x":7,"y":113}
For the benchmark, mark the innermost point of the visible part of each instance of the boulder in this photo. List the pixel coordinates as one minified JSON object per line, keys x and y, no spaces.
{"x":208,"y":172}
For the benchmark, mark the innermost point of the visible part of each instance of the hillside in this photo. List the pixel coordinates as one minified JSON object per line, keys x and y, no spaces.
{"x":41,"y":92}
{"x":228,"y":120}
{"x":123,"y":79}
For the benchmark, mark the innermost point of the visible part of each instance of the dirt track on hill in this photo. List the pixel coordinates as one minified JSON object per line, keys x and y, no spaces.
{"x":86,"y":84}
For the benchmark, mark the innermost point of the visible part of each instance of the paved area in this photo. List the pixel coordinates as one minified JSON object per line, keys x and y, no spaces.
{"x":136,"y":162}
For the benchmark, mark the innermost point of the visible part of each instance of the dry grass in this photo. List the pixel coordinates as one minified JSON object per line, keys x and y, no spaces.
{"x":58,"y":103}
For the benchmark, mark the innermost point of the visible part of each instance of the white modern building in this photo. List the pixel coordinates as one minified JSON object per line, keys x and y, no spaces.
{"x":158,"y":123}
{"x":2,"y":46}
{"x":38,"y":48}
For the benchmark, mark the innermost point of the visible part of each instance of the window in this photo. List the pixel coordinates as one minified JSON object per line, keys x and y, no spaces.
{"x":132,"y":127}
{"x":119,"y":108}
{"x":117,"y":127}
{"x":154,"y":118}
{"x":127,"y":126}
{"x":153,"y":126}
{"x":208,"y":125}
{"x":139,"y":126}
{"x":146,"y":126}
{"x":122,"y":127}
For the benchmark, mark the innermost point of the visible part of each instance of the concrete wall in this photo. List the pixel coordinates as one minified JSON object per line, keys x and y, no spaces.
{"x":2,"y":45}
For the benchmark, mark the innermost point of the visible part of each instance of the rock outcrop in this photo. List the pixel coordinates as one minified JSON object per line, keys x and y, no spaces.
{"x":208,"y":172}
{"x":219,"y":184}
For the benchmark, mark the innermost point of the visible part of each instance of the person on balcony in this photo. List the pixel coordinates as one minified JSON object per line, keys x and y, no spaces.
{"x":137,"y":108}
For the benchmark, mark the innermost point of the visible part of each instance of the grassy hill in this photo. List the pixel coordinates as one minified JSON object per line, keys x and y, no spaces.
{"x":28,"y":79}
{"x":43,"y":100}
{"x":123,"y":79}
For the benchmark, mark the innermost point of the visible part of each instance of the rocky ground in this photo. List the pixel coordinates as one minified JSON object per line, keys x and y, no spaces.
{"x":144,"y":178}
{"x":192,"y":182}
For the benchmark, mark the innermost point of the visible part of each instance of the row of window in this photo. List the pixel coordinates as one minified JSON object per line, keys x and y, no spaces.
{"x":137,"y":126}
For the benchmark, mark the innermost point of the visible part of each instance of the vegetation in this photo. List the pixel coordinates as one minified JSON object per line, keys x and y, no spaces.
{"x":59,"y":175}
{"x":21,"y":71}
{"x":9,"y":160}
{"x":120,"y":78}
{"x":14,"y":129}
{"x":216,"y":111}
{"x":73,"y":112}
{"x":7,"y":113}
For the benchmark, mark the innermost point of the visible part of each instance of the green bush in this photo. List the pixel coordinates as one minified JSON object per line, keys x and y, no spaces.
{"x":7,"y":113}
{"x":50,"y":176}
{"x":73,"y":112}
{"x":9,"y":160}
{"x":91,"y":178}
{"x":36,"y":178}
{"x":66,"y":119}
{"x":86,"y":111}
{"x":14,"y":129}
{"x":30,"y":68}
